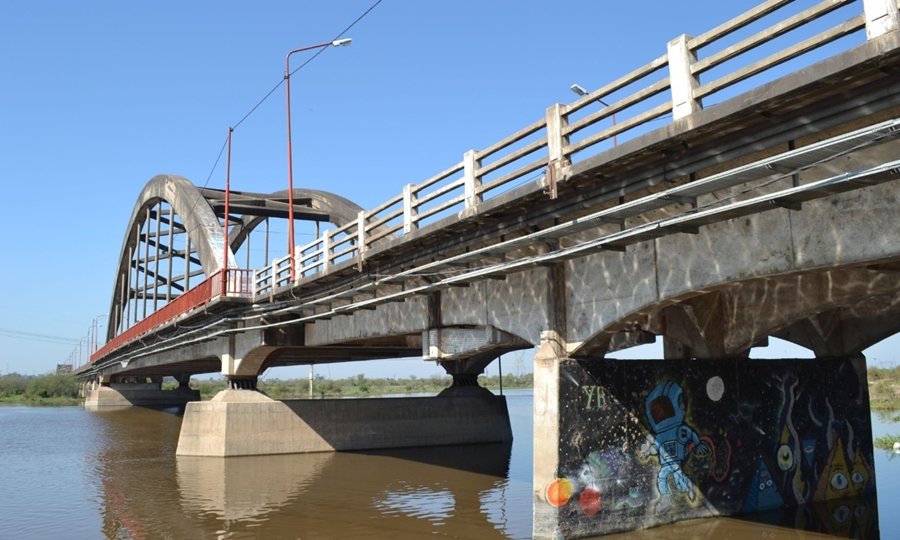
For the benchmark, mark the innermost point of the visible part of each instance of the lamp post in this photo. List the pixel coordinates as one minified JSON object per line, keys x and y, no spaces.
{"x":290,"y":163}
{"x":578,"y":89}
{"x":95,"y":329}
{"x":227,"y":221}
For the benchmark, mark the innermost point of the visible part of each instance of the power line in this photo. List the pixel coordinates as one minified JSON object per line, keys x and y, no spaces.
{"x":339,"y":36}
{"x":281,"y":82}
{"x":17,"y":334}
{"x":211,"y":171}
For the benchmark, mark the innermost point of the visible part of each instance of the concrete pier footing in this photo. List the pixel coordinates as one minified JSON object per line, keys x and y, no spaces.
{"x":629,"y":444}
{"x":145,"y":395}
{"x":246,"y":422}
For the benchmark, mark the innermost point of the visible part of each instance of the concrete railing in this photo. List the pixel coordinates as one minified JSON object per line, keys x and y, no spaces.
{"x":567,"y":130}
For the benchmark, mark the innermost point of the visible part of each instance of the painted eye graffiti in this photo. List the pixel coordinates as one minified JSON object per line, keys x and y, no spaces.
{"x":841,"y":513}
{"x":785,"y":457}
{"x":839,"y":481}
{"x":859,"y":512}
{"x":857,"y":478}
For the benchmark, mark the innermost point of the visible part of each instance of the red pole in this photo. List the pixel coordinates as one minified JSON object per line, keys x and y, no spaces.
{"x":290,"y":163}
{"x":227,"y":209}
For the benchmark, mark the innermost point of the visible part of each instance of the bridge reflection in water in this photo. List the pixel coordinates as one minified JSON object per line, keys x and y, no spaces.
{"x":476,"y":491}
{"x":348,"y":495}
{"x":148,"y":492}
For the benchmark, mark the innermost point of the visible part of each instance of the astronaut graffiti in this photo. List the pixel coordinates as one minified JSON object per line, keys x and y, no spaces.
{"x":671,"y":441}
{"x":649,"y":442}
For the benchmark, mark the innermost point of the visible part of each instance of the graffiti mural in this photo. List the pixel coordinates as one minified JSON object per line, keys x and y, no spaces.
{"x":649,"y":442}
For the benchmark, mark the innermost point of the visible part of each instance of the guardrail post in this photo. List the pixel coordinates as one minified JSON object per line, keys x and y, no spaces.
{"x":274,"y":277}
{"x":681,"y":81}
{"x":881,"y":17}
{"x":360,"y":238}
{"x":471,"y":182}
{"x":556,"y":144}
{"x":326,"y":251}
{"x":410,"y":209}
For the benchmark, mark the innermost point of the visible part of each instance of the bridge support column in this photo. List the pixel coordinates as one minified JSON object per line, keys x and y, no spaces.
{"x":143,"y":392}
{"x":242,"y":383}
{"x":629,"y":444}
{"x":246,"y":422}
{"x":241,"y":421}
{"x":465,"y":376}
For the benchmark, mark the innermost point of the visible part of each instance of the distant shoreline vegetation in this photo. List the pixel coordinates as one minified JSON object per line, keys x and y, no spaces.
{"x":50,"y":389}
{"x":884,"y":388}
{"x":360,"y":386}
{"x":63,"y":389}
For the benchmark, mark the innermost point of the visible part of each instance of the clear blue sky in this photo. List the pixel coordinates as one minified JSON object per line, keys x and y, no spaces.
{"x":98,"y":97}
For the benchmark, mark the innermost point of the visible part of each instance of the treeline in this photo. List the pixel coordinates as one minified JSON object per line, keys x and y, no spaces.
{"x":49,"y":389}
{"x":360,"y":386}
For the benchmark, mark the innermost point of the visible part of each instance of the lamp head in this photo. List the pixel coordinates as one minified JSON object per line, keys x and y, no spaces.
{"x":577,"y":88}
{"x":341,"y":42}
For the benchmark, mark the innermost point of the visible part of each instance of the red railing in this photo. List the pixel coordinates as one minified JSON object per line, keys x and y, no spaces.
{"x":237,"y":282}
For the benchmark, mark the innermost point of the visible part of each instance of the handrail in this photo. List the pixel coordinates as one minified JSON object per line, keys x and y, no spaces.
{"x":236,"y":284}
{"x":845,"y":28}
{"x":764,"y":36}
{"x":732,"y":25}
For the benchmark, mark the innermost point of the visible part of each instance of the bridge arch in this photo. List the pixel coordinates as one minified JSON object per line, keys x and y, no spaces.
{"x":338,"y":211}
{"x":175,"y":239}
{"x":833,"y":312}
{"x":169,"y":209}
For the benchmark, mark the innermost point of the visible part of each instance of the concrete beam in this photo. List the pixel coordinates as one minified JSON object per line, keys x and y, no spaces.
{"x":457,"y":343}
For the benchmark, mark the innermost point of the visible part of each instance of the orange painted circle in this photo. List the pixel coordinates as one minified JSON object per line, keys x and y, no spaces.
{"x":559,"y":492}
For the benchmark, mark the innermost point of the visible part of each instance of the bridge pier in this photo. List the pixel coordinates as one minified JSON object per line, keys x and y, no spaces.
{"x":247,"y":422}
{"x":137,"y":391}
{"x":628,"y":444}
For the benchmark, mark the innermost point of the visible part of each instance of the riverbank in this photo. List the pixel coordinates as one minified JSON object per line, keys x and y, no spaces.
{"x":884,"y":388}
{"x":52,"y":389}
{"x":41,"y":402}
{"x":63,"y":389}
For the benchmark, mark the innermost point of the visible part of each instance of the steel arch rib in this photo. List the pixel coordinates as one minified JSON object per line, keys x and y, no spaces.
{"x":196,"y":215}
{"x":340,"y":210}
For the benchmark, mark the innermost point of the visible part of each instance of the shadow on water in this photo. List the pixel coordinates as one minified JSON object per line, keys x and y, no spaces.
{"x":488,"y":459}
{"x":853,"y":517}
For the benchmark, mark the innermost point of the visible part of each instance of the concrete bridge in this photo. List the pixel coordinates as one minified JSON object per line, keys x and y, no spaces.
{"x":705,"y":199}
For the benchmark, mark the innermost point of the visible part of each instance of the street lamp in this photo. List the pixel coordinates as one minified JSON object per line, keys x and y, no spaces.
{"x":95,"y":330}
{"x":578,"y":89}
{"x":287,"y":84}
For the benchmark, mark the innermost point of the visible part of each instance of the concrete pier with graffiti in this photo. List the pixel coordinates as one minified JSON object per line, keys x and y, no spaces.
{"x":647,"y":442}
